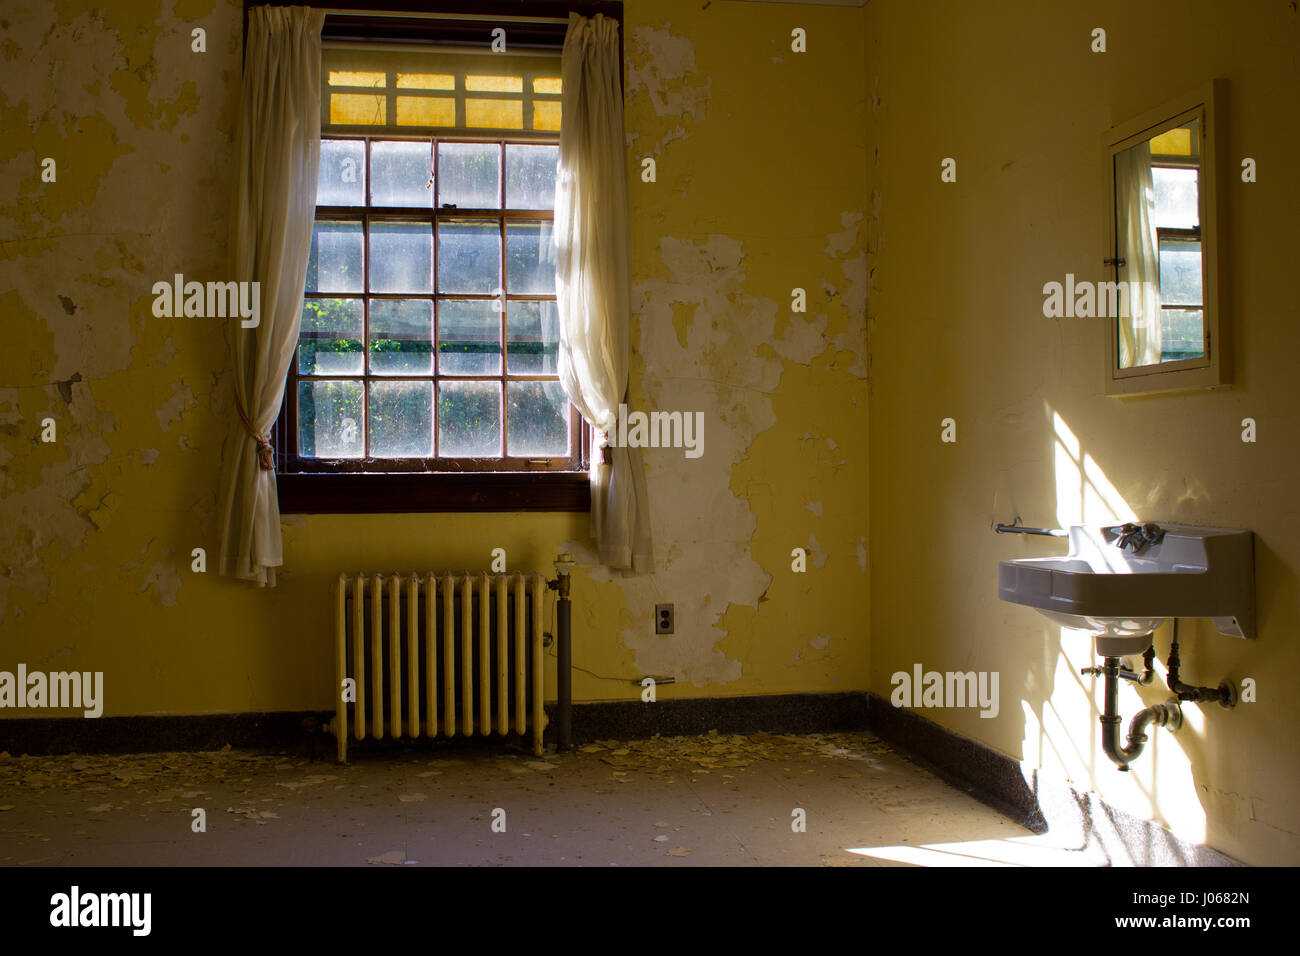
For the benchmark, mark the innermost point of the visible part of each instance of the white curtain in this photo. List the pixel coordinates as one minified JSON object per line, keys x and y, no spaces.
{"x":592,"y":288}
{"x":277,"y":150}
{"x":1139,"y":330}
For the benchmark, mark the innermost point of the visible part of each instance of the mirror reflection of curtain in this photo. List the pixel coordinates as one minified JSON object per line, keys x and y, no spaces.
{"x":1139,"y":330}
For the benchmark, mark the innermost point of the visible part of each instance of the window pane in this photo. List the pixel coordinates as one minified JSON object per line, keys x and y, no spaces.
{"x":469,"y":257}
{"x":329,"y":420}
{"x":400,"y":257}
{"x":530,"y":259}
{"x":1176,"y":204}
{"x":330,"y":338}
{"x":426,"y":111}
{"x":530,"y":176}
{"x":546,"y":114}
{"x":469,"y":419}
{"x":401,"y":337}
{"x":532,"y":338}
{"x":1180,"y":272}
{"x":539,"y":420}
{"x":401,"y":419}
{"x":342,"y":177}
{"x":469,"y":337}
{"x":400,"y":174}
{"x":357,"y":109}
{"x":1182,"y":334}
{"x":334,"y":263}
{"x":494,"y":114}
{"x":469,"y":175}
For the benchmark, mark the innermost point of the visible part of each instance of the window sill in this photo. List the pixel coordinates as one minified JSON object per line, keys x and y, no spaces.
{"x":425,"y":493}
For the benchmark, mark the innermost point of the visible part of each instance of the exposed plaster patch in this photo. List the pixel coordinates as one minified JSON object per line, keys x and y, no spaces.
{"x":815,"y":552}
{"x":666,"y":62}
{"x":854,"y":269}
{"x":164,"y":579}
{"x":149,"y":456}
{"x":174,"y":408}
{"x":821,"y":642}
{"x":862,"y":554}
{"x":815,"y":507}
{"x":663,"y":66}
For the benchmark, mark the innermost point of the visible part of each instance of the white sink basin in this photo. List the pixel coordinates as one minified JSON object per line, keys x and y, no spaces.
{"x":1122,"y":595}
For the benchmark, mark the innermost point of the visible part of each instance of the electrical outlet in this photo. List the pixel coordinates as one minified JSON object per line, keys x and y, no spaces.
{"x":663,"y":618}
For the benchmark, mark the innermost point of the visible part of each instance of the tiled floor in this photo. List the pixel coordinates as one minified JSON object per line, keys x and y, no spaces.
{"x":682,"y":801}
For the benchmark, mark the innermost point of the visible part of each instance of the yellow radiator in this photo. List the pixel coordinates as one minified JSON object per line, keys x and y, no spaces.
{"x":430,"y":654}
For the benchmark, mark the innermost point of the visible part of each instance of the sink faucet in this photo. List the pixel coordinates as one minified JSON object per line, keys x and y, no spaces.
{"x":1139,"y":538}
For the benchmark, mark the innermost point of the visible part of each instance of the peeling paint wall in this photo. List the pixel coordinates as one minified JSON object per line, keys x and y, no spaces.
{"x":957,"y":330}
{"x":760,"y":189}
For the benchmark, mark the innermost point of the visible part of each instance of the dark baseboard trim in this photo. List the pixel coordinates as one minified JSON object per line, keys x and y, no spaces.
{"x":624,"y":720}
{"x":774,"y":713}
{"x":1038,"y":804}
{"x":43,"y":736}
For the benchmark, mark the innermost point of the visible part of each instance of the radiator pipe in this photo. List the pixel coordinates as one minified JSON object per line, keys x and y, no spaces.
{"x":563,"y":654}
{"x":1167,"y":714}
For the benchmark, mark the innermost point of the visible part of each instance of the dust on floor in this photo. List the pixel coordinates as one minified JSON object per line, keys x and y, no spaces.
{"x":756,"y":799}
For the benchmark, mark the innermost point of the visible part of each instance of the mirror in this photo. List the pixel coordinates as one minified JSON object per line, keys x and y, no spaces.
{"x":1162,"y":249}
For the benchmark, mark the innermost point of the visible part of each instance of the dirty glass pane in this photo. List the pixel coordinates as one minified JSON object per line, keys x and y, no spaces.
{"x":329,"y":420}
{"x":426,"y":111}
{"x":469,"y":175}
{"x":530,"y":176}
{"x":401,"y":337}
{"x":1182,"y":334}
{"x":530,"y":259}
{"x":494,"y":114}
{"x":469,"y":257}
{"x":357,"y":109}
{"x":330,"y":337}
{"x":469,"y":419}
{"x":341,"y":180}
{"x":538,"y":419}
{"x":334,"y":263}
{"x":546,"y":114}
{"x":532,"y":338}
{"x":401,"y":419}
{"x":400,"y":174}
{"x":400,"y":257}
{"x":469,"y":337}
{"x":1180,"y":272}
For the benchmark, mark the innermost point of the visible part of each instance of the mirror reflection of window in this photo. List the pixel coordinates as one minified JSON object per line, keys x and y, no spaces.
{"x":1159,"y":232}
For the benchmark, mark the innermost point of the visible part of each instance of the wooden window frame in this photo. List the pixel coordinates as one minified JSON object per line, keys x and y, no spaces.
{"x":476,"y":485}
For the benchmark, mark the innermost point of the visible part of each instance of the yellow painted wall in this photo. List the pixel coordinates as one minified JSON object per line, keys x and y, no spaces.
{"x":1014,"y":94}
{"x":760,"y":188}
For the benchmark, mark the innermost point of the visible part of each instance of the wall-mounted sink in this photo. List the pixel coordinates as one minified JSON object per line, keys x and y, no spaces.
{"x":1121,"y":582}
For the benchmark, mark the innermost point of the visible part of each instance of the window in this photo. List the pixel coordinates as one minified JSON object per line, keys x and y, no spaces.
{"x":427,"y":357}
{"x":1176,"y":216}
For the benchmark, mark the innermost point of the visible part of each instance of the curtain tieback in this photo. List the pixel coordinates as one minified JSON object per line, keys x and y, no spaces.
{"x":265,"y":453}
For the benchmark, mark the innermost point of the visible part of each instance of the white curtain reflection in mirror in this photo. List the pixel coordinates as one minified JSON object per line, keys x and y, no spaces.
{"x":1140,"y":326}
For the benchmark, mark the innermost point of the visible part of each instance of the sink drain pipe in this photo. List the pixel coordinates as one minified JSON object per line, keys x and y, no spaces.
{"x":1168,"y":714}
